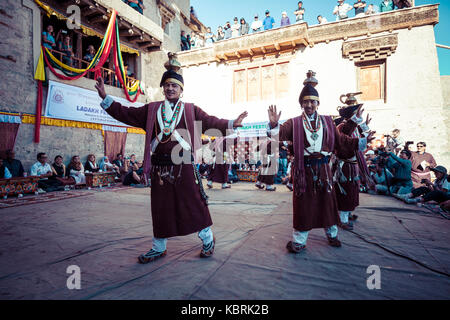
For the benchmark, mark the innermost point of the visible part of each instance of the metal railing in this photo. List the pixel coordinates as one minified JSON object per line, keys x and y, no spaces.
{"x":108,"y":75}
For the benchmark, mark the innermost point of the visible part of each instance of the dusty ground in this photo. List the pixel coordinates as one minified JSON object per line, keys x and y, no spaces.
{"x":104,"y":232}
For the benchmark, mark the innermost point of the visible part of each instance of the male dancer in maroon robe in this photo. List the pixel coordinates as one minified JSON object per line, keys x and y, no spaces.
{"x":315,"y":139}
{"x":178,"y":202}
{"x":221,"y":165}
{"x":269,"y":167}
{"x":346,"y":168}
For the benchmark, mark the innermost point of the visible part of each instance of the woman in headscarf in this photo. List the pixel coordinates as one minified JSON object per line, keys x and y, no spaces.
{"x":76,"y":170}
{"x":105,"y":165}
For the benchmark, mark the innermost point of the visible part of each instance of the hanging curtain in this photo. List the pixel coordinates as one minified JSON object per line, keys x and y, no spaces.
{"x":114,"y":144}
{"x":8,"y":132}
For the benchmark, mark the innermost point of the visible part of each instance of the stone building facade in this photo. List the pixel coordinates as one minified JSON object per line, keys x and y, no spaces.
{"x":390,"y":57}
{"x":23,"y":23}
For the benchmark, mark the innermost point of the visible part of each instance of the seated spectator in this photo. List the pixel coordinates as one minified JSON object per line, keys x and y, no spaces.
{"x":300,"y":13}
{"x":14,"y":166}
{"x":227,"y":29}
{"x":43,"y":170}
{"x":4,"y":172}
{"x":75,"y":170}
{"x":359,"y":8}
{"x":91,"y":165}
{"x":220,"y":34}
{"x":321,"y":19}
{"x":48,"y":39}
{"x":382,"y":178}
{"x":244,"y":27}
{"x":422,"y":161}
{"x":386,"y":5}
{"x":119,"y":160}
{"x":437,"y":191}
{"x":66,"y":48}
{"x":232,"y":173}
{"x":106,"y":166}
{"x":401,"y":183}
{"x":394,"y":143}
{"x":269,"y":22}
{"x":403,"y":4}
{"x":235,"y":28}
{"x":256,"y":25}
{"x":184,"y":41}
{"x":284,"y":19}
{"x":90,"y":53}
{"x":132,"y":177}
{"x":209,"y":37}
{"x":341,"y":10}
{"x":59,"y":172}
{"x":203,"y":169}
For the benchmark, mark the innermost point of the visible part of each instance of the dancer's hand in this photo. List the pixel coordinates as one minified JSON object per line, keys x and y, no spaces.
{"x":238,"y":122}
{"x":274,"y":117}
{"x":368,"y":119}
{"x":100,"y":86}
{"x":371,"y":136}
{"x":360,"y":111}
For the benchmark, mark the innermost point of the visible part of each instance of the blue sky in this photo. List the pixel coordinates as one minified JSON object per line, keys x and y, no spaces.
{"x":214,"y":13}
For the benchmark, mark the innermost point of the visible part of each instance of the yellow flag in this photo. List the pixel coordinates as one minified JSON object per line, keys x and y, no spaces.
{"x":40,"y":71}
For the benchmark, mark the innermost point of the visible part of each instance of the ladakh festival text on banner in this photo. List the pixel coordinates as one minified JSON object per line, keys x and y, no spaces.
{"x":73,"y":103}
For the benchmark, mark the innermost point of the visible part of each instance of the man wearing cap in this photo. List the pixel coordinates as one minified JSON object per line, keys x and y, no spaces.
{"x":269,"y":22}
{"x":173,"y":136}
{"x":256,"y":25}
{"x":341,"y":10}
{"x":350,"y":166}
{"x":315,"y":139}
{"x":437,"y":191}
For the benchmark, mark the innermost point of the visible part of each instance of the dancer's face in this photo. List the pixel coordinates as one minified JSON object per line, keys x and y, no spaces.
{"x":172,"y":91}
{"x":310,"y":106}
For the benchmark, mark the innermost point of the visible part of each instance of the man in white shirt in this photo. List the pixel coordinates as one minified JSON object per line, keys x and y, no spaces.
{"x":43,"y":170}
{"x":340,"y":11}
{"x":235,"y":28}
{"x":256,"y":25}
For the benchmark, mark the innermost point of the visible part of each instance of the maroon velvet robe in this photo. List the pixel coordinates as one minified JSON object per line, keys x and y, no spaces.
{"x":177,"y":209}
{"x":219,"y":169}
{"x":263,"y":177}
{"x":349,"y":200}
{"x":315,"y":209}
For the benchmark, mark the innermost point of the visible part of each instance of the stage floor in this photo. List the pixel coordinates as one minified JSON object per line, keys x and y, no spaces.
{"x":104,"y":232}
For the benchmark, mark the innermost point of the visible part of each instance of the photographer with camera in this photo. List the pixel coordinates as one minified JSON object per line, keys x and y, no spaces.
{"x":394,"y":143}
{"x":437,"y":191}
{"x":381,"y":174}
{"x":401,"y":166}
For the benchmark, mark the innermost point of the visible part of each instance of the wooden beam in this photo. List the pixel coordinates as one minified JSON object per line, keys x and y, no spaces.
{"x":97,"y":19}
{"x":277,"y":46}
{"x":135,"y":38}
